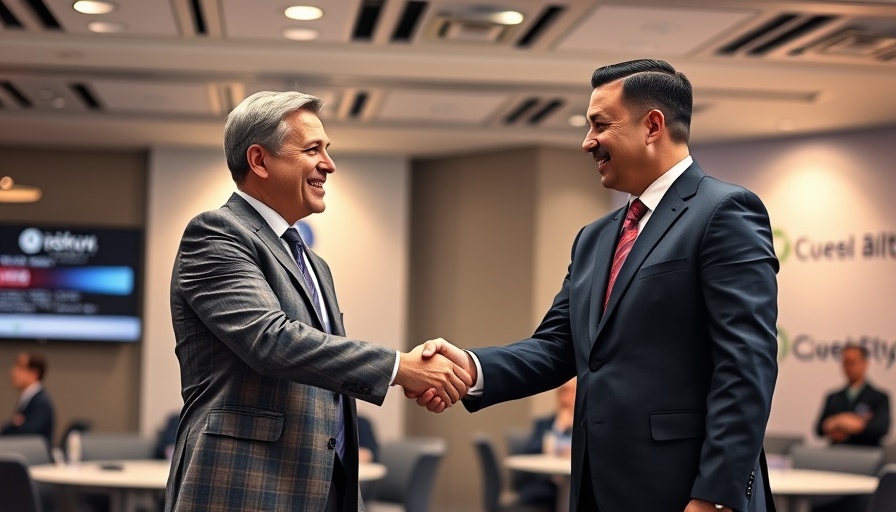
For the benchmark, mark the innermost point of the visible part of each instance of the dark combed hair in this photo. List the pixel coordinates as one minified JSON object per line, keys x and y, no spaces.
{"x":653,"y":84}
{"x":38,"y":364}
{"x":861,"y":348}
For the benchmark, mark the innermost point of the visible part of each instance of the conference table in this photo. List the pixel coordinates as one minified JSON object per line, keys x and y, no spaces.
{"x":131,"y":483}
{"x":792,"y":488}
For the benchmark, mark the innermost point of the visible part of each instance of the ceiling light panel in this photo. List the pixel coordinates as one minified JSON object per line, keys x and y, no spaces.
{"x":657,"y":31}
{"x":436,"y":107}
{"x":265,"y":19}
{"x":120,"y":96}
{"x":46,"y":93}
{"x":139,"y":17}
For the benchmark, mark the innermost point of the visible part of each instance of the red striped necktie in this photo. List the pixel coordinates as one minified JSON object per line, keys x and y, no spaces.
{"x":626,"y":241}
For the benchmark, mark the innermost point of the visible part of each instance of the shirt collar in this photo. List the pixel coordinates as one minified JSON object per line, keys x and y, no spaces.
{"x":274,"y":220}
{"x":655,"y":192}
{"x":29,"y":392}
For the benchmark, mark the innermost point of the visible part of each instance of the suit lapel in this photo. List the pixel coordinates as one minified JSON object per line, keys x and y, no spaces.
{"x":254,"y":221}
{"x":606,"y":246}
{"x":668,"y":211}
{"x":328,"y":291}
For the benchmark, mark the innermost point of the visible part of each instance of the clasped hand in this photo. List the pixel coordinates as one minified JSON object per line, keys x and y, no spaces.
{"x":437,"y":374}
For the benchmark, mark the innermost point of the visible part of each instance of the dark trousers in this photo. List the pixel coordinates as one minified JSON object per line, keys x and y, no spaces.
{"x":586,"y":500}
{"x":338,"y":488}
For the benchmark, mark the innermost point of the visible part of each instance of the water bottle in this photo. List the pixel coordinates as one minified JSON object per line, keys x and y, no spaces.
{"x":74,"y":448}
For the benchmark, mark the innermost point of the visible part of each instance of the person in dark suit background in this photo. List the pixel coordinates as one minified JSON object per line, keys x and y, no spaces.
{"x":674,"y":346}
{"x":34,"y":412}
{"x":368,"y":447}
{"x":269,"y":380}
{"x":858,"y":414}
{"x":550,"y":434}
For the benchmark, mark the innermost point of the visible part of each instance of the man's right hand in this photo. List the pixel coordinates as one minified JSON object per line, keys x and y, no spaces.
{"x":440,"y":347}
{"x":437,"y":377}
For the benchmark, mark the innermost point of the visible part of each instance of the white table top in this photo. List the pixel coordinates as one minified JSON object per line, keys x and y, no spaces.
{"x":540,"y":463}
{"x":131,"y":474}
{"x":138,"y":474}
{"x":807,"y":482}
{"x":795,"y":482}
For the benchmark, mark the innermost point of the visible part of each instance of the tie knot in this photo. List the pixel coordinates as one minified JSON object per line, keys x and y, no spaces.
{"x":635,"y":212}
{"x":292,"y":236}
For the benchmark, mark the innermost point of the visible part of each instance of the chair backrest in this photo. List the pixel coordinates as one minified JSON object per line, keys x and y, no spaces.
{"x":515,"y":441}
{"x":781,"y":444}
{"x":17,"y":490}
{"x":861,"y":460}
{"x":119,"y":445}
{"x":884,"y":498}
{"x":411,"y":467}
{"x":32,"y":447}
{"x":492,"y":483}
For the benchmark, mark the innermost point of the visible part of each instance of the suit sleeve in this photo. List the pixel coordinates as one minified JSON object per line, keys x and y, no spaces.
{"x":825,"y":414}
{"x":738,"y":267}
{"x":220,"y":278}
{"x":879,"y":424}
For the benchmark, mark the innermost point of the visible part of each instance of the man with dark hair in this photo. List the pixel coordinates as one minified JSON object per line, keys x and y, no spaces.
{"x":34,"y":413}
{"x":858,"y":414}
{"x":666,"y":319}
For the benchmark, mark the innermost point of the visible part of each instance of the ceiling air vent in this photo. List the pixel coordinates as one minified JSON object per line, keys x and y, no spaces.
{"x":533,"y":110}
{"x":855,"y":42}
{"x":9,"y":19}
{"x":474,"y":24}
{"x":775,"y":34}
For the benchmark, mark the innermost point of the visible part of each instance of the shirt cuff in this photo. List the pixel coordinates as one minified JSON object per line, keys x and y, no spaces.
{"x":479,"y":385}
{"x":395,"y":368}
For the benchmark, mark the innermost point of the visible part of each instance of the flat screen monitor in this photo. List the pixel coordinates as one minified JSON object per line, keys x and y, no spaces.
{"x":70,"y":283}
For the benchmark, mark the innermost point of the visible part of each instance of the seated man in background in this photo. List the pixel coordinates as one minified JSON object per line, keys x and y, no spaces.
{"x":858,"y":414}
{"x":34,"y":414}
{"x":552,"y":435}
{"x":368,"y":448}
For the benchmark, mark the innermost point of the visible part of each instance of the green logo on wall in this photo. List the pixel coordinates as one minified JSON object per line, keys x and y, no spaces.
{"x":783,"y":344}
{"x":781,"y":243}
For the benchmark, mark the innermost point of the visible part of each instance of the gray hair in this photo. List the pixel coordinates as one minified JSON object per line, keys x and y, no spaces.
{"x":259,"y":119}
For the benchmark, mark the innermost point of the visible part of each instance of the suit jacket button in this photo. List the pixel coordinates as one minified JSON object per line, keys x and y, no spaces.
{"x":331,"y":443}
{"x":366,"y":391}
{"x":595,"y":365}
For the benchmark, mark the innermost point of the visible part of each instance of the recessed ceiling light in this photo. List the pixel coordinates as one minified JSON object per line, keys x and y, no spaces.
{"x":508,"y":17}
{"x":300,"y":33}
{"x":578,"y":120}
{"x":58,"y":102}
{"x":94,"y":7}
{"x":106,"y":27}
{"x":303,"y":12}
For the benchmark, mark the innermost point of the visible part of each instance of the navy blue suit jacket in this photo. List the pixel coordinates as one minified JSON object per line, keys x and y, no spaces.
{"x":39,"y":418}
{"x":870,"y":400}
{"x":675,"y":378}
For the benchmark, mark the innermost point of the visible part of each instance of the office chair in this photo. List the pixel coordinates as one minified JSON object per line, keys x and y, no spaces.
{"x":411,"y":468}
{"x":17,"y":490}
{"x":861,"y":460}
{"x":32,"y":448}
{"x":492,"y":482}
{"x":118,"y":445}
{"x":781,"y":444}
{"x":884,"y":498}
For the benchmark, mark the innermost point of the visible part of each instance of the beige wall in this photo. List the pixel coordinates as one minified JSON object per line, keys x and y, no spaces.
{"x":80,"y":188}
{"x":490,"y":243}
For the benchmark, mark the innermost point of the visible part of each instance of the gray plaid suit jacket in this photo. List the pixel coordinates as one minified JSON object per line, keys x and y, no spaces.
{"x":259,"y":376}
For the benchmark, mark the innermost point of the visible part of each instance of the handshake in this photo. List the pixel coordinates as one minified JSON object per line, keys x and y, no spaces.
{"x":437,"y":374}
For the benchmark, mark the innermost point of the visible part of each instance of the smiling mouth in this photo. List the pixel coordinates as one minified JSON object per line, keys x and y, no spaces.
{"x":601,"y":157}
{"x":319,"y":184}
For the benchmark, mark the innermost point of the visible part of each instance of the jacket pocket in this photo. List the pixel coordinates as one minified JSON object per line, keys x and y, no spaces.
{"x":665,"y":426}
{"x":244,"y":423}
{"x":663,"y":268}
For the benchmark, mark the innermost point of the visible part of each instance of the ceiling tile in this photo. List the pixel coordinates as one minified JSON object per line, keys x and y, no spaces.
{"x":264,"y":19}
{"x":440,"y":107}
{"x":170,"y":98}
{"x":659,"y":31}
{"x":141,"y":18}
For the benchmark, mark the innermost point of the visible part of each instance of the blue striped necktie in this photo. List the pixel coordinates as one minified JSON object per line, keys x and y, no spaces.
{"x":297,"y":246}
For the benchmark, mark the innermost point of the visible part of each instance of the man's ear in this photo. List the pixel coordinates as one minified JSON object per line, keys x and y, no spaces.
{"x":655,"y":122}
{"x":256,"y":157}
